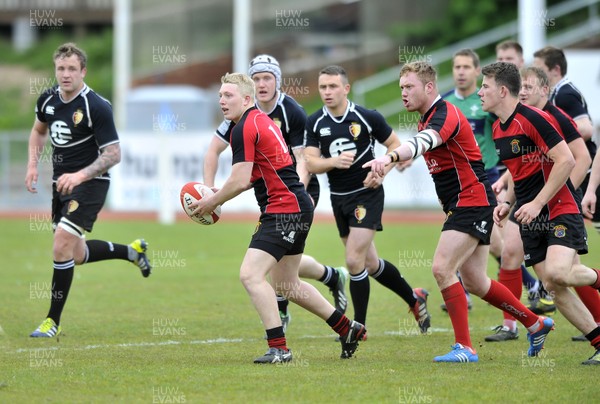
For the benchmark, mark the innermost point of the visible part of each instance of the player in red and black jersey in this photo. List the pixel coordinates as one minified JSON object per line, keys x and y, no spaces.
{"x":447,"y":143}
{"x":261,"y":160}
{"x":85,"y":145}
{"x":290,"y":118}
{"x":340,"y":137}
{"x":547,"y":206}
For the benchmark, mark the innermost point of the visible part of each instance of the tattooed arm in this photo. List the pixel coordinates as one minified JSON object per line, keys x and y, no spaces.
{"x":109,"y":156}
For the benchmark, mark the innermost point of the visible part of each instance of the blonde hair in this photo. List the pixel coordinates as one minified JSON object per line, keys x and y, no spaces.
{"x":244,"y":83}
{"x":424,"y":71}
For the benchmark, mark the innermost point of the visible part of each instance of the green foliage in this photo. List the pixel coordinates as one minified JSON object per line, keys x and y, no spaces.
{"x":189,"y":330}
{"x":17,"y":108}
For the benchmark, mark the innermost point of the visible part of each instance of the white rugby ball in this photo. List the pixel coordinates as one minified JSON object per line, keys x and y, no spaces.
{"x":195,"y":191}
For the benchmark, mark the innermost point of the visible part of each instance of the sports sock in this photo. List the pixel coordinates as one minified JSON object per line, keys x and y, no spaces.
{"x":360,"y":289}
{"x":591,"y":299}
{"x":99,"y":250}
{"x":389,"y":276}
{"x":594,"y":337}
{"x":276,"y":338}
{"x":61,"y":284}
{"x":543,"y":293}
{"x":282,"y":303}
{"x":339,"y":322}
{"x":512,"y":280}
{"x":499,"y":296}
{"x":456,"y":303}
{"x":330,"y":277}
{"x":528,"y":280}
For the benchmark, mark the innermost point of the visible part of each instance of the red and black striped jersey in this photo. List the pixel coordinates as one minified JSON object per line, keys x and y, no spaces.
{"x":257,"y":139}
{"x":456,"y":165}
{"x":522,"y":143}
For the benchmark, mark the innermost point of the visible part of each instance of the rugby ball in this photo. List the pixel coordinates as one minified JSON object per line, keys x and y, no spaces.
{"x":192,"y":192}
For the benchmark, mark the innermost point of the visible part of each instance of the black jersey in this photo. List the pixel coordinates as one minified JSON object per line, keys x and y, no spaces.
{"x":287,"y":114}
{"x":78,"y":128}
{"x":568,"y":98}
{"x":355,"y":131}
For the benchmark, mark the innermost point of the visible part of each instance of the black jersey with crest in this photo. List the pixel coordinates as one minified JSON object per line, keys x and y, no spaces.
{"x":78,"y":128}
{"x":356,"y":131}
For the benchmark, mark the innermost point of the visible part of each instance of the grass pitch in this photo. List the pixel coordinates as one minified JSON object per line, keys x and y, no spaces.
{"x":189,"y":333}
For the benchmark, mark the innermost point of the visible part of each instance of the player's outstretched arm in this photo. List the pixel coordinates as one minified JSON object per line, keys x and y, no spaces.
{"x":37,"y":140}
{"x":211,"y":160}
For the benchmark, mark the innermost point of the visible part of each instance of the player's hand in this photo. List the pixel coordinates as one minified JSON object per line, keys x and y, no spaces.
{"x":31,"y":179}
{"x":499,"y":186}
{"x":588,"y":204}
{"x":66,"y":183}
{"x":500,"y":213}
{"x":373,"y":180}
{"x":204,"y":206}
{"x":528,"y":212}
{"x":344,"y":160}
{"x":377,"y":165}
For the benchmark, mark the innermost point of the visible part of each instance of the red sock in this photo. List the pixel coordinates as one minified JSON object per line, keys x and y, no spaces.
{"x":456,"y":303}
{"x":499,"y":296}
{"x":596,"y":284}
{"x":513,"y":280}
{"x":591,"y":298}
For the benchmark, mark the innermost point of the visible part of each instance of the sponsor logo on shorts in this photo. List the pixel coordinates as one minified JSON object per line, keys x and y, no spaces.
{"x":360,"y":213}
{"x":291,"y":237}
{"x":256,"y":228}
{"x":73,"y":205}
{"x":560,"y":231}
{"x":481,"y":227}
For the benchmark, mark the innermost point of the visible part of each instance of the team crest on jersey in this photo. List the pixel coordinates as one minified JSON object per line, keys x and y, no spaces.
{"x":77,"y":116}
{"x":277,"y":122}
{"x":514,"y":146}
{"x":360,"y":212}
{"x":355,"y":129}
{"x":73,"y":205}
{"x":560,"y":231}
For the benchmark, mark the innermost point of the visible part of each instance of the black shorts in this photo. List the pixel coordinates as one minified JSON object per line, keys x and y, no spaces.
{"x":583,"y":188}
{"x":282,"y":234}
{"x":361,"y":209}
{"x":477,"y":221}
{"x":566,"y":230}
{"x":82,"y":206}
{"x":314,"y":189}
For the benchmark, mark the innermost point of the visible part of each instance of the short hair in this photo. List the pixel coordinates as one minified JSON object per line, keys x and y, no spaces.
{"x":506,"y":74}
{"x":244,"y":82}
{"x":470,"y":53}
{"x":510,"y":44}
{"x":553,"y":57}
{"x":541,"y":76}
{"x":424,"y":71}
{"x":69,"y":49}
{"x":335,"y":70}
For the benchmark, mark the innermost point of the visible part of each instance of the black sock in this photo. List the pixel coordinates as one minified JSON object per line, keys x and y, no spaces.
{"x":330,"y":277}
{"x":389,"y":276}
{"x":282,"y":303}
{"x":338,"y":322}
{"x":360,"y":289}
{"x":543,"y":293}
{"x":276,"y":338}
{"x":594,"y":337}
{"x":99,"y":250}
{"x":61,"y":284}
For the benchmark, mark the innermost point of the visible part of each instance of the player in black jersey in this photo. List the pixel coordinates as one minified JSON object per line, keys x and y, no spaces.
{"x":85,"y":145}
{"x":290,"y":117}
{"x":339,"y":139}
{"x":567,"y":97}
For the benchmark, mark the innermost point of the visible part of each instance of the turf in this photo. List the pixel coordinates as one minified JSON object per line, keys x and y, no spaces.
{"x":189,"y":334}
